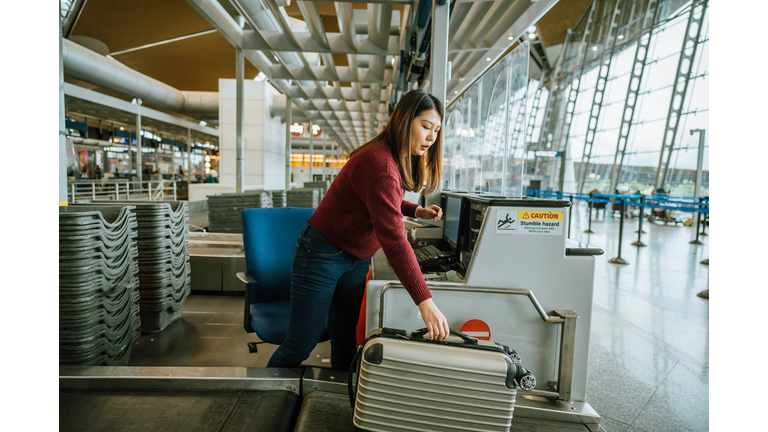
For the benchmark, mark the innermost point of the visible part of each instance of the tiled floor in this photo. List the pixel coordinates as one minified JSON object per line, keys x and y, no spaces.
{"x":649,"y":353}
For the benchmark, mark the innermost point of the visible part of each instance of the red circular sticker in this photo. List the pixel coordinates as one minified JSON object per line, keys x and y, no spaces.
{"x":477,"y":329}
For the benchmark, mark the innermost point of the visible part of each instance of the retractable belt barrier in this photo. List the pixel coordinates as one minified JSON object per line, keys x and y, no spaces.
{"x":637,"y":200}
{"x":698,"y":205}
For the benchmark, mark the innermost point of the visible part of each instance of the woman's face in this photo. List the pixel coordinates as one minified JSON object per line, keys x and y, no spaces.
{"x":424,"y":130}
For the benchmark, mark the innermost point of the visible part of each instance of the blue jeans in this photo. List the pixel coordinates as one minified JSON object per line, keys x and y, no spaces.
{"x":326,"y":282}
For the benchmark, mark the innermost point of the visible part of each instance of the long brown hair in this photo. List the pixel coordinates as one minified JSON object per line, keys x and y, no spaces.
{"x":415,"y":171}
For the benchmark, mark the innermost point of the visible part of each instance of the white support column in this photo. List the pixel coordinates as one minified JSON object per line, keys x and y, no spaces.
{"x":63,"y":160}
{"x":439,"y":56}
{"x":288,"y":107}
{"x":189,"y":154}
{"x":311,"y":153}
{"x":239,"y":120}
{"x":438,"y":65}
{"x":325,"y":156}
{"x":138,"y":140}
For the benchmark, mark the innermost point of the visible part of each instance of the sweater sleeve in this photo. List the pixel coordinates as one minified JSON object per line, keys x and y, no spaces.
{"x":408,"y":208}
{"x":384,"y":204}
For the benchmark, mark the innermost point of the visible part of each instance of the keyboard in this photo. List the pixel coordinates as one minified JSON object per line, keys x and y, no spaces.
{"x":430,"y":256}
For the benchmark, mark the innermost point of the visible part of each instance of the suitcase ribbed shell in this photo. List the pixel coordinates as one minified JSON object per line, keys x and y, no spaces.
{"x":432,"y":387}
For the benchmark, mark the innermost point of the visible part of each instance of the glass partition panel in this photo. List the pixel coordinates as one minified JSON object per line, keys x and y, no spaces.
{"x":484,"y":133}
{"x":449,"y":144}
{"x":458,"y":147}
{"x":517,"y":66}
{"x":473,"y":147}
{"x":494,"y":124}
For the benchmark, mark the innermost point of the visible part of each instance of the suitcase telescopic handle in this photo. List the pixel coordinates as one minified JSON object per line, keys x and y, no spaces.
{"x":467,"y":339}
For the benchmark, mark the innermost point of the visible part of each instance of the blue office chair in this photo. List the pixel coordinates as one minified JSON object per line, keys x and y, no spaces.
{"x":269,"y":239}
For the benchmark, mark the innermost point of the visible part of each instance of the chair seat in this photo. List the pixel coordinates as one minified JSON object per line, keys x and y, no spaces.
{"x":270,"y":321}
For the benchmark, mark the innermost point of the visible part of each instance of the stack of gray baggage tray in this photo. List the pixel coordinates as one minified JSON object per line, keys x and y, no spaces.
{"x":164,"y":272}
{"x":225,"y":210}
{"x":322,"y":185}
{"x":303,"y":197}
{"x":278,"y":198}
{"x":98,"y":285}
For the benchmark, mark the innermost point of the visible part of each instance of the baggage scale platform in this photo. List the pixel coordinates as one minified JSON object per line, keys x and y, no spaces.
{"x":121,"y":398}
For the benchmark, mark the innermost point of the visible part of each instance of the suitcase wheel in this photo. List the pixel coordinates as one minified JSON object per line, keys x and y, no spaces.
{"x":528,"y":382}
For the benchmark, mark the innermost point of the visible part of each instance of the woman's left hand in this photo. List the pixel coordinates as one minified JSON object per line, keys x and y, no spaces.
{"x":431,"y":212}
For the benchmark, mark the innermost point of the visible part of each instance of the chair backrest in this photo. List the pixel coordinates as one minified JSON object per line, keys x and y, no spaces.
{"x":269,"y":239}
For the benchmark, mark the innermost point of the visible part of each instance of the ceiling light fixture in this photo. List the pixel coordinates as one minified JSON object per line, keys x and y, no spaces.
{"x":594,"y":48}
{"x":621,"y":36}
{"x":531,"y":35}
{"x":455,"y":92}
{"x":510,"y":36}
{"x":487,"y":59}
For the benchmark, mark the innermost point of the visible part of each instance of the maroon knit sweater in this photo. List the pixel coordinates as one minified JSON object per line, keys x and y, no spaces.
{"x":363,"y":211}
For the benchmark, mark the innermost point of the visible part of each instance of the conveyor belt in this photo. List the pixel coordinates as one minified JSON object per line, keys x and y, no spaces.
{"x":222,"y":399}
{"x":230,"y":411}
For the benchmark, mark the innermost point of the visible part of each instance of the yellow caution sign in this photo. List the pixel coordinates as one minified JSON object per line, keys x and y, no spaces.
{"x":540,"y":215}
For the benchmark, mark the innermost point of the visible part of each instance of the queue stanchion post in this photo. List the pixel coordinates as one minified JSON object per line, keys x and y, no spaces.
{"x":705,"y":262}
{"x":589,"y":226}
{"x":642,"y":211}
{"x":704,"y":221}
{"x":570,"y":214}
{"x":640,"y":225}
{"x":619,"y":259}
{"x":698,"y":221}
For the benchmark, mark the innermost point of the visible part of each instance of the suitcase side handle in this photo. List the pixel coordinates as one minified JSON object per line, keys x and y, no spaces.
{"x":467,"y":339}
{"x":352,"y":368}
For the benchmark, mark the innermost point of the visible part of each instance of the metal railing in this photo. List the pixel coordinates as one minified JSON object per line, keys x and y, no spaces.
{"x":565,"y":317}
{"x":105,"y":190}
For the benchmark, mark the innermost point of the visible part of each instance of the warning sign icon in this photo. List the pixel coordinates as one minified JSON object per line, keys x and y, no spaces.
{"x":525,"y":215}
{"x":477,"y":329}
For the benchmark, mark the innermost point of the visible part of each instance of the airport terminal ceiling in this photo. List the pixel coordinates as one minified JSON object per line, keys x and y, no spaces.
{"x":346,"y":89}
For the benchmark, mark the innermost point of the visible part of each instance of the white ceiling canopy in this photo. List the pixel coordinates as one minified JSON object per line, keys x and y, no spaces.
{"x":388,"y":53}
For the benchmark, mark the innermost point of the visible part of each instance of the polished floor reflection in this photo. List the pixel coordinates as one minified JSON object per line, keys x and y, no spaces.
{"x":210,"y":333}
{"x":649,"y":353}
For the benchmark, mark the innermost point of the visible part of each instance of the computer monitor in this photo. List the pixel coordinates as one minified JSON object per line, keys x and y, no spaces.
{"x":452,"y":214}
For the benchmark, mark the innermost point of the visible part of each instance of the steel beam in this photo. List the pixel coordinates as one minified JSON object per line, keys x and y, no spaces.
{"x":651,"y":17}
{"x":682,"y":77}
{"x":547,"y":131}
{"x":604,"y":68}
{"x":699,"y":161}
{"x":530,"y":126}
{"x":573,"y":93}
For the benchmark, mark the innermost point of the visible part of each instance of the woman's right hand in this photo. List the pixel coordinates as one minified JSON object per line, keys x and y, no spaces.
{"x":434,"y":319}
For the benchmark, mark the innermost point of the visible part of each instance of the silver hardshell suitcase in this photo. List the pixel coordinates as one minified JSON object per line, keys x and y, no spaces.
{"x":407,"y":382}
